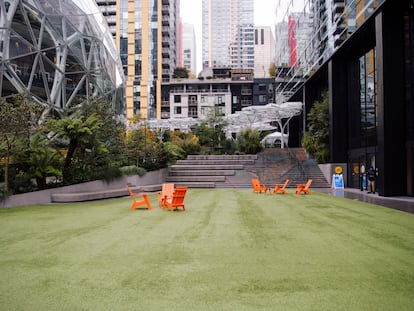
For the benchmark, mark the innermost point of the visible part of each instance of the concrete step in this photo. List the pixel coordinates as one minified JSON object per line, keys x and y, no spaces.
{"x":201,"y":173}
{"x":223,"y":157}
{"x":214,"y":162}
{"x":206,"y":167}
{"x":176,"y":179}
{"x":196,"y":184}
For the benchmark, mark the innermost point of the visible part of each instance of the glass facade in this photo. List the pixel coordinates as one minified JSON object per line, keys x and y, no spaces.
{"x":309,"y":32}
{"x":59,"y":52}
{"x":368,"y":99}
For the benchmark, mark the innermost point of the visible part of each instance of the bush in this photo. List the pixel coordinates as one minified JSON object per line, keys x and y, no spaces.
{"x":248,"y":141}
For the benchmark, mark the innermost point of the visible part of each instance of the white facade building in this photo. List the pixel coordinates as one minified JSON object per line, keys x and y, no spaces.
{"x":264,"y":51}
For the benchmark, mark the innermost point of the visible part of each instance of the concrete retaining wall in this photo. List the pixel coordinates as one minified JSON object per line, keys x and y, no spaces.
{"x":45,"y":196}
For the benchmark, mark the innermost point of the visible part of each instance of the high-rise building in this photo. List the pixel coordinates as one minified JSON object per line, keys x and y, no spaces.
{"x":363,"y":67}
{"x":282,"y":49}
{"x":264,"y":51}
{"x":147,"y":34}
{"x":108,"y":10}
{"x":228,"y":33}
{"x":188,"y":51}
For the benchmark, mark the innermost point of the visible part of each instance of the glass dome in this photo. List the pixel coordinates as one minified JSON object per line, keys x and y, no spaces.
{"x":59,"y":52}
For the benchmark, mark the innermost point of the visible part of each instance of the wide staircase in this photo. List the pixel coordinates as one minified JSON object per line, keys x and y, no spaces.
{"x":236,"y":171}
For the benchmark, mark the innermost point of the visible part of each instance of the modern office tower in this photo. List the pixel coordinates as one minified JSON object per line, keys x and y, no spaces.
{"x":282,"y":49}
{"x":228,"y":33}
{"x":364,"y":63}
{"x":58,"y":53}
{"x":108,"y":10}
{"x":300,"y":38}
{"x":188,"y":50}
{"x":264,"y":51}
{"x":147,"y":38}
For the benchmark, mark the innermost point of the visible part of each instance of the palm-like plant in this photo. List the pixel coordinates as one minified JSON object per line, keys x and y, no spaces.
{"x":44,"y":160}
{"x":77,"y":131}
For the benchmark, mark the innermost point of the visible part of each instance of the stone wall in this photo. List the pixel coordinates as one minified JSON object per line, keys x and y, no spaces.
{"x":44,"y":196}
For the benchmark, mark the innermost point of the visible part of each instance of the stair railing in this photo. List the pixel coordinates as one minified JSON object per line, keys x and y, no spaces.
{"x":302,"y":171}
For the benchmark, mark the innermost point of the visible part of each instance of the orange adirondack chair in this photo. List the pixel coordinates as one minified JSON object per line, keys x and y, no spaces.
{"x":144,"y":202}
{"x":165,"y":193}
{"x":281,"y":187}
{"x":304,"y":187}
{"x":177,"y":199}
{"x":258,"y":187}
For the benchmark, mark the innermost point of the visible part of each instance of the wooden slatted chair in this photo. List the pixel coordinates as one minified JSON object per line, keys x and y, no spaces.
{"x":258,"y":187}
{"x":144,"y":202}
{"x":177,"y":199}
{"x":165,"y":193}
{"x":281,"y":187}
{"x":304,"y":188}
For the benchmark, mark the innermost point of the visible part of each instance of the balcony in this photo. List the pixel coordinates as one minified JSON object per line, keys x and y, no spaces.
{"x":246,"y":92}
{"x":193,"y":114}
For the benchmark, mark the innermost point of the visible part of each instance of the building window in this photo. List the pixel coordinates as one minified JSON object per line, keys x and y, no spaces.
{"x":256,"y":41}
{"x":192,"y":112}
{"x":177,"y":110}
{"x":203,"y":99}
{"x":219,"y":100}
{"x":262,"y":87}
{"x":368,"y":94}
{"x":262,"y":98}
{"x":177,"y":98}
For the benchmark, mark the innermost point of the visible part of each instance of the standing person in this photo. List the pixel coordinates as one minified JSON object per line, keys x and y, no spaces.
{"x":371,"y":180}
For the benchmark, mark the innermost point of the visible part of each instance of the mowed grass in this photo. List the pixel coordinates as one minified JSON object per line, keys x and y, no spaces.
{"x":231,"y":250}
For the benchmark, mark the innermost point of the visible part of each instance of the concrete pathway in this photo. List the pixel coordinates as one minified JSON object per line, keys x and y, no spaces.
{"x":402,"y":203}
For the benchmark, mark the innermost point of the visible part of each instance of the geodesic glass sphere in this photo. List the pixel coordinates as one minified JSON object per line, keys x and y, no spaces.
{"x":59,"y":52}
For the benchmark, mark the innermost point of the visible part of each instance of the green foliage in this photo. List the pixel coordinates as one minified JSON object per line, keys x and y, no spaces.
{"x":188,"y":142}
{"x":94,"y":141}
{"x":229,"y":146}
{"x":132,"y":170}
{"x":174,"y":152}
{"x":18,"y":118}
{"x":78,"y":132}
{"x":44,"y":160}
{"x":248,"y":141}
{"x":180,"y":73}
{"x":211,"y":133}
{"x":316,"y":138}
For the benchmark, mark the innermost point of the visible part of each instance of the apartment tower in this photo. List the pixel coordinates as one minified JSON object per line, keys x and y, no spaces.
{"x":228,"y":33}
{"x":146,"y":34}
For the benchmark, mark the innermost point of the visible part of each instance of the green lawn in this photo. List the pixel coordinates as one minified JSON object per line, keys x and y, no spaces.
{"x":231,"y":250}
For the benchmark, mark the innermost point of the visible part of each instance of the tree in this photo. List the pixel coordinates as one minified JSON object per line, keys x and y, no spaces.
{"x":78,"y":131}
{"x":272,"y":70}
{"x":210,"y":132}
{"x":180,"y":73}
{"x":316,"y":138}
{"x":17,"y":119}
{"x":248,"y":141}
